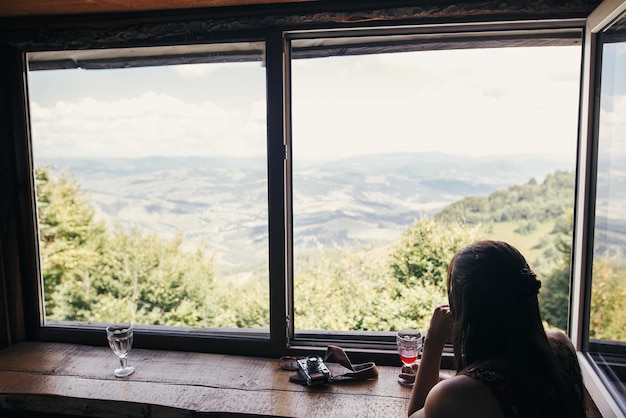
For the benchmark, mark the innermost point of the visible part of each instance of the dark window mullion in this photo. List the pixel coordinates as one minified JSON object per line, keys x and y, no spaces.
{"x":276,"y":189}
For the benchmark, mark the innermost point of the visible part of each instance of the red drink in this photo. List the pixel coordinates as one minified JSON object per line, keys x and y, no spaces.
{"x":410,"y":359}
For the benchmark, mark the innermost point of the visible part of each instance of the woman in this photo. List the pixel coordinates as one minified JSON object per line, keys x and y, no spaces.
{"x":507,"y":366}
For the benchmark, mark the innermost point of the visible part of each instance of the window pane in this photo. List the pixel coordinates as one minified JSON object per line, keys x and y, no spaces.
{"x":607,"y":328}
{"x":152,"y":186}
{"x":401,"y":158}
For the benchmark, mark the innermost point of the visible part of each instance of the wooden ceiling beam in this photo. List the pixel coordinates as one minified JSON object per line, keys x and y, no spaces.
{"x":23,"y":8}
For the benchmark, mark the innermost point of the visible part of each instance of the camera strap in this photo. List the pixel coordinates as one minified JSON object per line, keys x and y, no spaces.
{"x":335,"y":354}
{"x":363,"y":371}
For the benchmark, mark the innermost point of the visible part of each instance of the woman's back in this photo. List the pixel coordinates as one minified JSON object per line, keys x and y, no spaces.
{"x":488,"y":391}
{"x":550,"y":400}
{"x":507,"y":365}
{"x":460,"y":396}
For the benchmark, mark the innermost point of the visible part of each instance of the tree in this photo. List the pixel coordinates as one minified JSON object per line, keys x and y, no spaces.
{"x":341,"y":289}
{"x":555,"y":293}
{"x":608,"y":300}
{"x":419,"y":264}
{"x":159,"y":282}
{"x":422,"y":255}
{"x":70,"y":240}
{"x":531,"y":201}
{"x":94,"y":275}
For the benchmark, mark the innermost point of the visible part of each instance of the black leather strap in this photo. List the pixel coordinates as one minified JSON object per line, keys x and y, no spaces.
{"x":334,"y":354}
{"x":361,"y":371}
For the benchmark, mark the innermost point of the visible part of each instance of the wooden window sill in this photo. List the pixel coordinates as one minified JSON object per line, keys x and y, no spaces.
{"x":69,"y":379}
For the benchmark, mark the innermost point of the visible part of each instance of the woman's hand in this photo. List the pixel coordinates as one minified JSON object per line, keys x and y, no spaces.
{"x":428,"y":372}
{"x":441,"y":324}
{"x":408,"y":373}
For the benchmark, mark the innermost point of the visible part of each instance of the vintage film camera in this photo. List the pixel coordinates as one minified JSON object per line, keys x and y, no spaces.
{"x":314,"y":371}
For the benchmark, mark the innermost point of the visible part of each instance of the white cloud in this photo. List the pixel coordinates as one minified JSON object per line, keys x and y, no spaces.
{"x":613,"y":127}
{"x":470,"y":102}
{"x":194,"y":70}
{"x":461,"y":101}
{"x":151,"y":124}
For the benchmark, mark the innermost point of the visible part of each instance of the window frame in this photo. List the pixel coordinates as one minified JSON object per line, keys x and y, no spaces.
{"x":282,"y":339}
{"x":444,"y":37}
{"x":278,"y":57}
{"x":580,"y":298}
{"x":242,"y":342}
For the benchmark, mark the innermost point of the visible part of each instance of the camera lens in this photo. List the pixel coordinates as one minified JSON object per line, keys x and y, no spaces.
{"x":312,"y":361}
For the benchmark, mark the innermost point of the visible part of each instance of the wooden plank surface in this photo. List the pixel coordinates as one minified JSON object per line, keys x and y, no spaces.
{"x":75,"y":379}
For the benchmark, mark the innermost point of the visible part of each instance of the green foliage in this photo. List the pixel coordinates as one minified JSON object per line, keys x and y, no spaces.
{"x":70,"y":241}
{"x":422,"y":255}
{"x":526,"y":227}
{"x":340,"y":289}
{"x":608,"y":300}
{"x":528,"y":202}
{"x":241,"y":304}
{"x":419,"y":265}
{"x":91,"y":274}
{"x":554,"y":296}
{"x":356,"y":290}
{"x":94,"y":274}
{"x":162,"y":284}
{"x":537,"y":219}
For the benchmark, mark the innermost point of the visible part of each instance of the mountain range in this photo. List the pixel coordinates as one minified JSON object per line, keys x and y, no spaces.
{"x":366,"y":200}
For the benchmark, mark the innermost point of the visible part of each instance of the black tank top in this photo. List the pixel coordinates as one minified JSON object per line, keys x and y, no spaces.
{"x":501,"y":386}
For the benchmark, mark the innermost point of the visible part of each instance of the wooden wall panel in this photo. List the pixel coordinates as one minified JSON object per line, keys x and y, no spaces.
{"x":11,"y":308}
{"x":63,"y":7}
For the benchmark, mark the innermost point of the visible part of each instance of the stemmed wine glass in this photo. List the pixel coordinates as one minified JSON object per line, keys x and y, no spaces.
{"x":120,"y":337}
{"x":409,"y":348}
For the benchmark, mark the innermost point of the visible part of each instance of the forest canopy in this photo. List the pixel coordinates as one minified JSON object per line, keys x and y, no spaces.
{"x":94,"y":272}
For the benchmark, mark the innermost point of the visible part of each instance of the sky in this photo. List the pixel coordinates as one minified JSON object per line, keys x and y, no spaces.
{"x":468,"y":102}
{"x":613,"y":106}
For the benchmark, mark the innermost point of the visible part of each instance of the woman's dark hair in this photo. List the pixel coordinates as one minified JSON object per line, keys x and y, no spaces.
{"x":493,"y":298}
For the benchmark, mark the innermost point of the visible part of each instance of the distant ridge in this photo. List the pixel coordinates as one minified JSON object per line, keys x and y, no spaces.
{"x":356,"y":201}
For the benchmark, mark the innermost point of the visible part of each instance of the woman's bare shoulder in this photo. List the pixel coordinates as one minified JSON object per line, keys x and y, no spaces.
{"x":471,"y":399}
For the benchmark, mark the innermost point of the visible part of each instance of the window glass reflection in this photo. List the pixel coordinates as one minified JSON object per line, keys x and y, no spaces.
{"x":607,"y":328}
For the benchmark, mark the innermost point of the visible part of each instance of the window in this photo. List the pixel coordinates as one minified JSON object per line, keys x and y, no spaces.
{"x":402,"y":153}
{"x":151,"y":180}
{"x":153,"y":168}
{"x":607,"y":323}
{"x":317,"y":113}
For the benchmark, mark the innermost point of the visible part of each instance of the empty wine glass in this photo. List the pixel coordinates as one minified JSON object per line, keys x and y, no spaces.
{"x":120,"y":337}
{"x":409,"y":348}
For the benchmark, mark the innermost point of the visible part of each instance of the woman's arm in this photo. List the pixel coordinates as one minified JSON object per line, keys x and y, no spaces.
{"x":438,"y":334}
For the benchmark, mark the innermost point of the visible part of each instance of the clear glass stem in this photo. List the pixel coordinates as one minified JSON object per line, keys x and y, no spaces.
{"x":123,"y":362}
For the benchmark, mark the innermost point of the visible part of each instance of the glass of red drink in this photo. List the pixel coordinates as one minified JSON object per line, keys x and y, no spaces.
{"x":409,"y":348}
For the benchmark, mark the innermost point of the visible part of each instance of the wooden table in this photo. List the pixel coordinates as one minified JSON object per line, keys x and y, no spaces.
{"x":78,"y":380}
